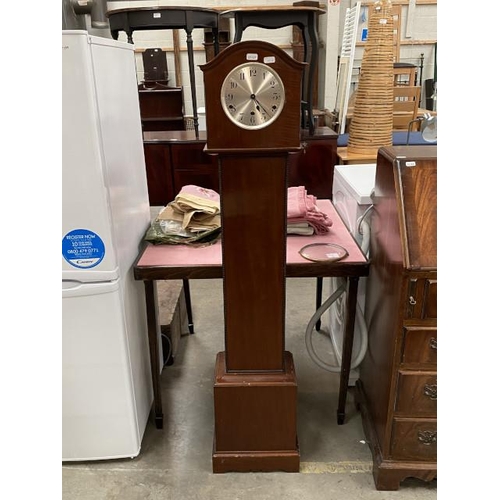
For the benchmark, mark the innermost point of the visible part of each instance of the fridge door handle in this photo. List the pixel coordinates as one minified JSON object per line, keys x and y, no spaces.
{"x":75,"y":288}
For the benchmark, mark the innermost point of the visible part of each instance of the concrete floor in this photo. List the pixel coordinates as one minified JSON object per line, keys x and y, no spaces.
{"x":175,"y":463}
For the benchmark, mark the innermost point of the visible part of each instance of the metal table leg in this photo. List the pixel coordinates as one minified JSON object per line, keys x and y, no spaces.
{"x":154,"y":352}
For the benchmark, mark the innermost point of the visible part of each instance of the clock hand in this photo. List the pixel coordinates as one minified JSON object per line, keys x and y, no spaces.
{"x":259,"y":105}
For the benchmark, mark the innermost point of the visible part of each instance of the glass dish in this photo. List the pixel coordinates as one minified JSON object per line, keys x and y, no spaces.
{"x":323,"y":252}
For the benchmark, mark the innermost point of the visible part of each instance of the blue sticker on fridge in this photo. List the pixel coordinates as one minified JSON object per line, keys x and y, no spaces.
{"x":83,"y":248}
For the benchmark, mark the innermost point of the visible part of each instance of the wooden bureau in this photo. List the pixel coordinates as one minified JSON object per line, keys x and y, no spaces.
{"x":397,"y":389}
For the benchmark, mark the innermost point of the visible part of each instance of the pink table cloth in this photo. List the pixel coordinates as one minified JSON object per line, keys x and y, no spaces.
{"x":174,"y":261}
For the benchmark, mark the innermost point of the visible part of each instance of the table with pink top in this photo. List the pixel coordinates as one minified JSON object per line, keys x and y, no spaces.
{"x":174,"y":262}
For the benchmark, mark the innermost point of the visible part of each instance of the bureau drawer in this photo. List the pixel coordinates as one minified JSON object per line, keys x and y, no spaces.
{"x":419,"y":347}
{"x":417,"y":394}
{"x":422,"y":299}
{"x":414,"y":439}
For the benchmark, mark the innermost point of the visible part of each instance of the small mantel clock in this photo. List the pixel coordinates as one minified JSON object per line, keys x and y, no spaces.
{"x":253,"y":106}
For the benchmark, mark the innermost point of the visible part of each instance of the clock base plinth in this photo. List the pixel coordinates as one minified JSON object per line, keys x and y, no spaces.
{"x":255,"y":420}
{"x":255,"y":461}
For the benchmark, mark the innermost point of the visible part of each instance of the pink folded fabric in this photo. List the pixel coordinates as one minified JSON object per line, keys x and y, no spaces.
{"x":302,"y":207}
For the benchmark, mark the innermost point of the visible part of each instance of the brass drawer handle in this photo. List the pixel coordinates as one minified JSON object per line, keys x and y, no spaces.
{"x":427,"y":437}
{"x":433,"y":343}
{"x":412,"y":300}
{"x":431,"y":390}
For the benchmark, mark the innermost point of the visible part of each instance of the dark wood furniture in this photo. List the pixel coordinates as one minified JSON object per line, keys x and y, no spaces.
{"x":177,"y":158}
{"x":306,"y":19}
{"x":313,"y":166}
{"x":299,"y":54}
{"x":175,"y":262}
{"x":224,"y":39}
{"x":155,"y":65}
{"x":397,"y":389}
{"x":162,"y":18}
{"x":162,"y":107}
{"x":255,"y":386}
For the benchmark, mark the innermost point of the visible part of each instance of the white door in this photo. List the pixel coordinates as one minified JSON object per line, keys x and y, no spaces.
{"x":87,"y":240}
{"x":99,"y":410}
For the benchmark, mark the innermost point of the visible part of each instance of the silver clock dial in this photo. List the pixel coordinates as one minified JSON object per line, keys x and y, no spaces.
{"x":252,"y":95}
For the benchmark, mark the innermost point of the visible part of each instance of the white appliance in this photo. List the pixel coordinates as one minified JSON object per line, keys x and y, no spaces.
{"x":352,"y":187}
{"x":106,"y":379}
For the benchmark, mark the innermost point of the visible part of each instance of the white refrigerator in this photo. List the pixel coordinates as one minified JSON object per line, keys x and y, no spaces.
{"x":106,"y":379}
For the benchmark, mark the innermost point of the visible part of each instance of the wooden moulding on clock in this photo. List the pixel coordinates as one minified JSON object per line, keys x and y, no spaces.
{"x":232,"y":138}
{"x":255,"y":420}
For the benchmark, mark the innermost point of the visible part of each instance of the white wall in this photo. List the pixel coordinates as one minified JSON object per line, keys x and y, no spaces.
{"x":424,"y":27}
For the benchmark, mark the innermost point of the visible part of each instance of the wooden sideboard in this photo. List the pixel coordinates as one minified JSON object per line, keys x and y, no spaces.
{"x":176,"y":158}
{"x":397,"y":388}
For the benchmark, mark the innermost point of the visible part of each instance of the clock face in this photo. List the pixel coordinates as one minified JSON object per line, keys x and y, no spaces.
{"x":252,"y":95}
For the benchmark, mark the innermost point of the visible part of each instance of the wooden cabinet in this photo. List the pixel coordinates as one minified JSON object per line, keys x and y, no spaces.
{"x":193,"y":166}
{"x":313,"y":166}
{"x":397,"y":389}
{"x":162,"y":107}
{"x":158,"y":174}
{"x":176,"y":158}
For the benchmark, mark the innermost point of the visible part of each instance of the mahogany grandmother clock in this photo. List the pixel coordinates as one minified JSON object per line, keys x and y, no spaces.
{"x":252,"y":99}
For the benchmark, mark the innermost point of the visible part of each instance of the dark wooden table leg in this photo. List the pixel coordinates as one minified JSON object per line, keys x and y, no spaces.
{"x":319,"y":296}
{"x":187,"y":297}
{"x":215,"y":35}
{"x":306,"y":94}
{"x":239,"y":27}
{"x":154,"y":354}
{"x":345,"y":368}
{"x":192,"y":80}
{"x":313,"y":39}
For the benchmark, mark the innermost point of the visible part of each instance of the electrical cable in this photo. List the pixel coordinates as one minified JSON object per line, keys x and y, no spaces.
{"x":364,"y":229}
{"x":310,"y":330}
{"x":165,"y":340}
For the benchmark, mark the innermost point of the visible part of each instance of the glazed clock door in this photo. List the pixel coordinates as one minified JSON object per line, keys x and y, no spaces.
{"x":252,"y":96}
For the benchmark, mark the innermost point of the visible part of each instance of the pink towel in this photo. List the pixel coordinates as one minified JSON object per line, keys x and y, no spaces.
{"x":302,"y":208}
